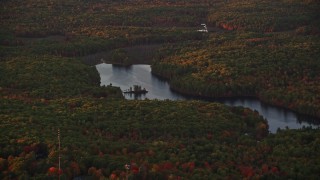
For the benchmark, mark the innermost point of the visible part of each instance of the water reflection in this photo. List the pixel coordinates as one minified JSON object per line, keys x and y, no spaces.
{"x":277,"y":117}
{"x":124,"y":77}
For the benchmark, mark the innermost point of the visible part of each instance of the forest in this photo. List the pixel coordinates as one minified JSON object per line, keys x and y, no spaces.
{"x":268,"y":49}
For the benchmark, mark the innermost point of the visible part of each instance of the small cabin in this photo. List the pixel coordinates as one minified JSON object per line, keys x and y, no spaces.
{"x":204,"y":28}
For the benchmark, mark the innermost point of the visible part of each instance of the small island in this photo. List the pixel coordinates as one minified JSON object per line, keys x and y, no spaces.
{"x":136,"y":90}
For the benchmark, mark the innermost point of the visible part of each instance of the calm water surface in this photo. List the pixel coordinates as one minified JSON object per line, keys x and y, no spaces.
{"x":126,"y":77}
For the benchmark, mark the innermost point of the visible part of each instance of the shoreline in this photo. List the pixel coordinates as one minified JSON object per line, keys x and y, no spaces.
{"x":257,"y":97}
{"x":146,"y":58}
{"x":138,"y":54}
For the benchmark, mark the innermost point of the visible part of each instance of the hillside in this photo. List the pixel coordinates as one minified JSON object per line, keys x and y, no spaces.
{"x":267,"y":51}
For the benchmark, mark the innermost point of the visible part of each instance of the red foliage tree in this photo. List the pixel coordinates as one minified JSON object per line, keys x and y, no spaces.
{"x":246,"y":171}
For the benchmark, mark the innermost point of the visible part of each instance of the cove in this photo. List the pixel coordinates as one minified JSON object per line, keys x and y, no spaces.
{"x":126,"y":77}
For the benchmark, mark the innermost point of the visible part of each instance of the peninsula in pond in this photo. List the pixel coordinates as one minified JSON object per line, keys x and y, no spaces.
{"x":210,"y":49}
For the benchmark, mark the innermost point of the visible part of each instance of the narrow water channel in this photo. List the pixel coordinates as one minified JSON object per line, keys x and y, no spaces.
{"x":126,"y":77}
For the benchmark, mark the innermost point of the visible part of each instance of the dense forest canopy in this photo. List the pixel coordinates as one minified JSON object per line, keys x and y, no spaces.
{"x":268,"y":49}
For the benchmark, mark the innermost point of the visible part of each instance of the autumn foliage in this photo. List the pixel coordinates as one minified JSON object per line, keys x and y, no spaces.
{"x":266,"y":49}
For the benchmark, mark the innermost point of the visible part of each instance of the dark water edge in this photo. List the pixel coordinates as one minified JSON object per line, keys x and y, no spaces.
{"x":126,"y":76}
{"x":259,"y":105}
{"x":277,"y":117}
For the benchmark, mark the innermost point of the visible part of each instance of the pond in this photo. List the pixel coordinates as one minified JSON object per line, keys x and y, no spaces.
{"x":126,"y":77}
